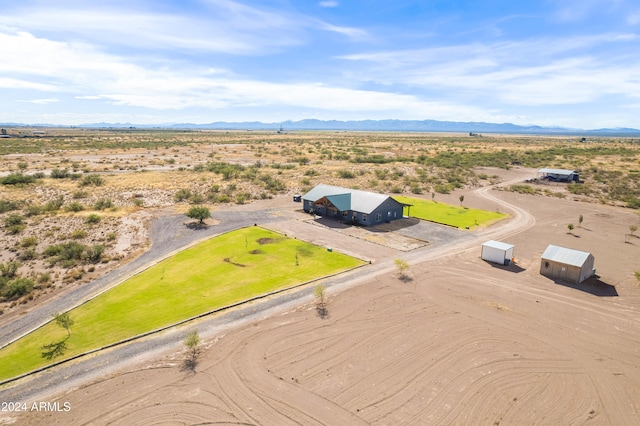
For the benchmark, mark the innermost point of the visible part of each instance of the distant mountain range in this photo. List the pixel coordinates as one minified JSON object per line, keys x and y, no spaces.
{"x":368,"y":125}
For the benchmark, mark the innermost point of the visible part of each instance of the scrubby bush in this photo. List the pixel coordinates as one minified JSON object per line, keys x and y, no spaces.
{"x":93,"y":254}
{"x":59,"y":173}
{"x":78,"y":234}
{"x":74,"y":207}
{"x":92,"y":180}
{"x":54,"y":205}
{"x":17,"y":179}
{"x":346,"y":174}
{"x":7,"y":206}
{"x":17,"y":288}
{"x":29,"y":241}
{"x":181,"y":195}
{"x":93,"y":219}
{"x":103,"y":203}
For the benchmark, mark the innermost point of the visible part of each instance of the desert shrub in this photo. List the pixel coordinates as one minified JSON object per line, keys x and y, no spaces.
{"x":13,"y":219}
{"x":33,"y":210}
{"x":7,"y":206}
{"x":346,"y":174}
{"x":181,"y":195}
{"x":17,"y":288}
{"x":74,"y":207}
{"x":111,"y":236}
{"x":93,"y":254}
{"x":523,"y":189}
{"x":66,"y":253}
{"x":272,"y":184}
{"x":59,"y":173}
{"x":138,"y":202}
{"x":102,"y":204}
{"x":93,"y":219}
{"x":78,"y":234}
{"x":92,"y":180}
{"x":579,"y":189}
{"x":80,"y":193}
{"x":443,"y":188}
{"x":44,"y":277}
{"x":28,"y":254}
{"x":196,"y":199}
{"x":54,"y":205}
{"x":9,"y":270}
{"x":17,"y":179}
{"x":29,"y":241}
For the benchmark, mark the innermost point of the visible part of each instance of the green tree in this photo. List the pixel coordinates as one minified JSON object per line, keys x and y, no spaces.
{"x":403,"y":267}
{"x":580,"y":219}
{"x":633,"y":228}
{"x":191,"y":342}
{"x":65,"y":321}
{"x":319,"y":292}
{"x":199,"y":212}
{"x":570,"y":227}
{"x":461,"y":199}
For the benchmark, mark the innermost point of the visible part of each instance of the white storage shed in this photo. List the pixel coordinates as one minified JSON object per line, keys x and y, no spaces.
{"x":497,"y":252}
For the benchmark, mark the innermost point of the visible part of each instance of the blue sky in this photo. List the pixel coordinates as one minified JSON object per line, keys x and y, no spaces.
{"x":572,"y":63}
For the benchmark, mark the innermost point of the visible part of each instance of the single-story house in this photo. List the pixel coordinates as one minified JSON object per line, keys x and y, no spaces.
{"x":351,"y":205}
{"x":559,"y":175}
{"x":497,"y":252}
{"x":566,"y":264}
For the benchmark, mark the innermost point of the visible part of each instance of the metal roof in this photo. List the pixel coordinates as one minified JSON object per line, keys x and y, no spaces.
{"x":565,"y":255}
{"x":361,"y":201}
{"x":558,"y":171}
{"x":341,"y":201}
{"x":498,"y":245}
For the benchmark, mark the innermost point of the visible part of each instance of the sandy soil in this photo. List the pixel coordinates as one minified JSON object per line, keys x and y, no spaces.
{"x":462,"y":342}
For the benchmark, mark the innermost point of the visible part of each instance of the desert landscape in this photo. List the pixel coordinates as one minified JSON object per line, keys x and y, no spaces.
{"x":451,"y":340}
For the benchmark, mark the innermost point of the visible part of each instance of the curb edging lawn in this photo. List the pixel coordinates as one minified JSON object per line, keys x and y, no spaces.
{"x":178,"y":323}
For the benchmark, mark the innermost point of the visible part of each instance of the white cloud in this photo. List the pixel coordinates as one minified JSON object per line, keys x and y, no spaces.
{"x":40,"y":101}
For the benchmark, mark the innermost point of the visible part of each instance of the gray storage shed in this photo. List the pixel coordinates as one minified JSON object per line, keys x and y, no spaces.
{"x":566,"y":264}
{"x":497,"y":252}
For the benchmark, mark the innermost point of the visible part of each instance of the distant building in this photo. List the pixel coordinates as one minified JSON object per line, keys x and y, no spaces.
{"x":559,"y":175}
{"x":352,"y":205}
{"x":566,"y":264}
{"x":497,"y":252}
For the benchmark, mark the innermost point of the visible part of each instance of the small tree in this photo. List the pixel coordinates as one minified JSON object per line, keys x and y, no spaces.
{"x":570,"y":227}
{"x":633,"y":228}
{"x":461,"y":199}
{"x":403,"y":267}
{"x":580,"y":219}
{"x":191,"y":342}
{"x":65,"y":321}
{"x":199,"y":212}
{"x":321,"y":307}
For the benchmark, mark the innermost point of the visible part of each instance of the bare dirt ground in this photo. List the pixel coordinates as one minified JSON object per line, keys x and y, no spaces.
{"x":462,"y":342}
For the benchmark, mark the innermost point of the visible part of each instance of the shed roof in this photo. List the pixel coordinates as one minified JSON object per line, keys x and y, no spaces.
{"x":565,"y":255}
{"x":498,"y":245}
{"x":360,"y":201}
{"x":558,"y":171}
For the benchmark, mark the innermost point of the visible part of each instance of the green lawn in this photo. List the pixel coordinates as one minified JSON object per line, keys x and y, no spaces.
{"x":223,"y":270}
{"x":448,"y":214}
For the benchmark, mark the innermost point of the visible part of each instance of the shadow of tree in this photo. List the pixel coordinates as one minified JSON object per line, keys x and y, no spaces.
{"x":190,"y":363}
{"x":54,"y":349}
{"x":321,"y":309}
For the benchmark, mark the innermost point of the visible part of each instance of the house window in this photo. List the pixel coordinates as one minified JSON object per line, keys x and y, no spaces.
{"x":378,"y":217}
{"x":364,"y":217}
{"x":345,"y":213}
